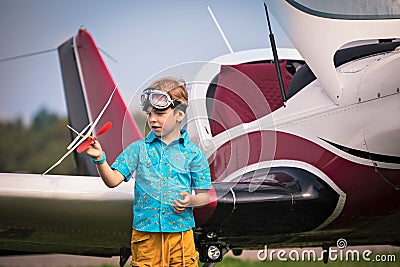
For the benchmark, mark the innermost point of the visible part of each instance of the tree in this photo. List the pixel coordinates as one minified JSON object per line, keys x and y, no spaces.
{"x":43,"y":119}
{"x":34,"y":148}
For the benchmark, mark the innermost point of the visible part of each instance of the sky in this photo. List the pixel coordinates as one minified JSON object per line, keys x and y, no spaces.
{"x":144,"y":37}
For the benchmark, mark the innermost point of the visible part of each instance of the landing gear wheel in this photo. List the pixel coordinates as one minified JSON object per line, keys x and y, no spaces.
{"x":210,"y":248}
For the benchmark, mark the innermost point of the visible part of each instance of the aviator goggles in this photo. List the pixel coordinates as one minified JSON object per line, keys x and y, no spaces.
{"x":157,"y":99}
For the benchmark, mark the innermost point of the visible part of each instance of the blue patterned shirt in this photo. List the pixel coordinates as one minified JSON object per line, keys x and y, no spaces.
{"x":162,"y":173}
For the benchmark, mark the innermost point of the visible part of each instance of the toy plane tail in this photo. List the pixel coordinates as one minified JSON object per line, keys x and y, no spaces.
{"x":88,"y":85}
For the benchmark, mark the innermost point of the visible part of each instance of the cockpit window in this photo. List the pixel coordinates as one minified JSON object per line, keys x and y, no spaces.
{"x":350,"y":9}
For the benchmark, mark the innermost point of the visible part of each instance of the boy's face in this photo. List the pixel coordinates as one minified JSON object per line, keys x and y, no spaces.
{"x":165,"y":123}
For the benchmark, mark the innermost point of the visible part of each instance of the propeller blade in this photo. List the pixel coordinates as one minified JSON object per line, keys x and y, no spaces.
{"x":107,"y":126}
{"x":82,"y":147}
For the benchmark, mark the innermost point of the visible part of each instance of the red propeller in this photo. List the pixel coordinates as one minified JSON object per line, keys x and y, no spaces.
{"x":82,"y":147}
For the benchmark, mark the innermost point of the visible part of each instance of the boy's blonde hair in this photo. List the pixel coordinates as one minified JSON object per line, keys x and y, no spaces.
{"x":176,"y":88}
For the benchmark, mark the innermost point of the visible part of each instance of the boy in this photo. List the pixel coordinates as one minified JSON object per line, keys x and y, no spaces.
{"x":168,"y":167}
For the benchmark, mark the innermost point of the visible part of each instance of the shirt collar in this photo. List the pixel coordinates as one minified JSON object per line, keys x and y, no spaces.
{"x":183,"y":138}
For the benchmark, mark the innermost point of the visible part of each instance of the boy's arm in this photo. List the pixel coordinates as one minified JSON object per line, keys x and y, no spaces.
{"x":199,"y":199}
{"x":110,"y":177}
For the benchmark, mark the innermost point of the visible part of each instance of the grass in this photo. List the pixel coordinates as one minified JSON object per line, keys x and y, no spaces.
{"x":230,"y":261}
{"x":237,"y":262}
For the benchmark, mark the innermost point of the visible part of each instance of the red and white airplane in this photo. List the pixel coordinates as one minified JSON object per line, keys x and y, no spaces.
{"x":323,"y":165}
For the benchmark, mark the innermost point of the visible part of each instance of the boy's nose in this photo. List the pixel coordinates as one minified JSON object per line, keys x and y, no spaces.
{"x":151,"y":117}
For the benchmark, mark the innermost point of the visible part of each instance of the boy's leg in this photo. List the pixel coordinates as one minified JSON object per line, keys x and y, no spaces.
{"x":182,"y":248}
{"x":146,"y":249}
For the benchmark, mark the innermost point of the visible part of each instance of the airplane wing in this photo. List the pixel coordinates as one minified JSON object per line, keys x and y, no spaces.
{"x":63,"y":214}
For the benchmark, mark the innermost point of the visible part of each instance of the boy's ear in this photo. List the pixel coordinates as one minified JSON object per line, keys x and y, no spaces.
{"x":180,"y":115}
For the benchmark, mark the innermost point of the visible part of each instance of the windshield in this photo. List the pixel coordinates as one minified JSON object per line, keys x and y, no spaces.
{"x":350,"y":9}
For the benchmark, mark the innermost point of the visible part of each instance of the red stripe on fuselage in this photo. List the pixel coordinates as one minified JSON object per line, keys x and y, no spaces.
{"x":368,"y":194}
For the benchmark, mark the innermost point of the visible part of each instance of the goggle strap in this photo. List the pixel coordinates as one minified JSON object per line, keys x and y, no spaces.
{"x":177,"y":104}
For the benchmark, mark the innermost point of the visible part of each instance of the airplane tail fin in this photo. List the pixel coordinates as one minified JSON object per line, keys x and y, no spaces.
{"x":88,"y":85}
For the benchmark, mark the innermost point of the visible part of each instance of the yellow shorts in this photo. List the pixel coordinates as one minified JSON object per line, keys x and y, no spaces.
{"x":163,"y":249}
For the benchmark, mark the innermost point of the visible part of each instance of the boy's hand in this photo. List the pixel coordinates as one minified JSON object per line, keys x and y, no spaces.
{"x":95,"y":150}
{"x":180,"y":205}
